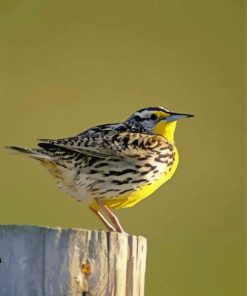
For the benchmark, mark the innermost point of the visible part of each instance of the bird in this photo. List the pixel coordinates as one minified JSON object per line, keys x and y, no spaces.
{"x":113,"y":166}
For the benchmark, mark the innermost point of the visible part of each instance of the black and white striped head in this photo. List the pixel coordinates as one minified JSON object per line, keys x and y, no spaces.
{"x":147,"y":119}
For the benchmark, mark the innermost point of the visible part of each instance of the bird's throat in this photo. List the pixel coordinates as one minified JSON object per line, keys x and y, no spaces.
{"x":166,"y":129}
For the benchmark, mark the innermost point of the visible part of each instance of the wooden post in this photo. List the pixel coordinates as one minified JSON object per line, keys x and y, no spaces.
{"x":42,"y":261}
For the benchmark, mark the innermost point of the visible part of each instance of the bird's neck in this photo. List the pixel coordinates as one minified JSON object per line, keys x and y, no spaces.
{"x":166,"y":129}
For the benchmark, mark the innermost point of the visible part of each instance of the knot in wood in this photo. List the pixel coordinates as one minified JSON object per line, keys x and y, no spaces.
{"x":86,"y":268}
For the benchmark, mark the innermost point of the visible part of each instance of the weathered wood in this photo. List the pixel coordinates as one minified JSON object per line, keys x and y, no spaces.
{"x":41,"y":261}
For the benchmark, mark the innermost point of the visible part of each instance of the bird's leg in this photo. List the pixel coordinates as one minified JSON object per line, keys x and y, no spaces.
{"x":113,"y":217}
{"x":103,"y":219}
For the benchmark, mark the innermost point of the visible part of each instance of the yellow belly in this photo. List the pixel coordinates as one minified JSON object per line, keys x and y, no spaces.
{"x":128,"y":199}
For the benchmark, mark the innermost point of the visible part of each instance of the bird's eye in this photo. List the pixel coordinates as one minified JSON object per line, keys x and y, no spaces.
{"x":153,"y":116}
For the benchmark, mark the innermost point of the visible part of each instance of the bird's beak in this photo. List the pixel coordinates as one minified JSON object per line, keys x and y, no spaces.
{"x":175,"y":116}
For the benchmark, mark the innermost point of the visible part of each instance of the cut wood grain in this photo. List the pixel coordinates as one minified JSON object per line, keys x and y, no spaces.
{"x":42,"y":261}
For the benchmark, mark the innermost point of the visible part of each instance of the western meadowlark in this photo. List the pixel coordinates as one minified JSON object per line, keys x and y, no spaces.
{"x":114,"y":165}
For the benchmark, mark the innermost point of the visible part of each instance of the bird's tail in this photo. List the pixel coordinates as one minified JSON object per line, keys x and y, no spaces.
{"x":34,"y":153}
{"x":42,"y":156}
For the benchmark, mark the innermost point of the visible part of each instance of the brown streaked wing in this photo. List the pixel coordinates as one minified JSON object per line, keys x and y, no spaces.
{"x":111,"y":144}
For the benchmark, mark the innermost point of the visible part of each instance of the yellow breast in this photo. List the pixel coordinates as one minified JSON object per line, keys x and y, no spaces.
{"x":130,"y":199}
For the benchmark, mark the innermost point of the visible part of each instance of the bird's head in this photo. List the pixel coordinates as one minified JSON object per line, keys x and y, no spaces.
{"x":156,"y":120}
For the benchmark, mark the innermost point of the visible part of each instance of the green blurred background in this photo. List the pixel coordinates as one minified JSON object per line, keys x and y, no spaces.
{"x":69,"y":65}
